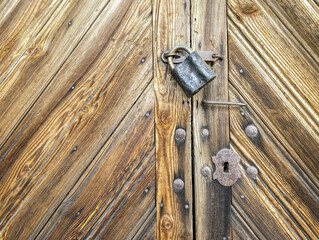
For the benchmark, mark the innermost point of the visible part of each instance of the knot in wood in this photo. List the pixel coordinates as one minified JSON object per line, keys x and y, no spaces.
{"x":167,"y":223}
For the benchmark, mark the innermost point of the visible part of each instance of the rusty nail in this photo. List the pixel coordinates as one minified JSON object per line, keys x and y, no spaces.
{"x":178,"y":185}
{"x":180,"y":134}
{"x":251,"y":131}
{"x":241,"y":70}
{"x":205,"y":132}
{"x":252,"y":172}
{"x":206,"y":171}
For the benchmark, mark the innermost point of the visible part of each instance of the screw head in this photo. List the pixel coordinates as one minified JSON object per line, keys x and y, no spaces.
{"x":178,"y":185}
{"x":252,"y":172}
{"x":251,"y":131}
{"x":180,"y":135}
{"x":206,"y":171}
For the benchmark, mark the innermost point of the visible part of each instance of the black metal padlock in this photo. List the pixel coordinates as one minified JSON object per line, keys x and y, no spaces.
{"x":193,"y":73}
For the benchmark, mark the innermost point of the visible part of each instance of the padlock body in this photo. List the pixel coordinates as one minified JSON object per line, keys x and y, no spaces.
{"x":193,"y":74}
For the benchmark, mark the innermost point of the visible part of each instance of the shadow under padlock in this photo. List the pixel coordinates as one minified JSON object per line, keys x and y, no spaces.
{"x":193,"y":73}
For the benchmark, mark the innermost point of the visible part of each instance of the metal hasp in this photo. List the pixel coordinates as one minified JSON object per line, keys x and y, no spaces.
{"x":193,"y":73}
{"x":226,"y":165}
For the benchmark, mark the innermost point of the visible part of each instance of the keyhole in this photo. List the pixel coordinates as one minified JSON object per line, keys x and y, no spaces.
{"x":226,"y":167}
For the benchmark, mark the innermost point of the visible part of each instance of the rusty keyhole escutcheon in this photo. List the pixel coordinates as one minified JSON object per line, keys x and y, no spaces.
{"x":226,"y":165}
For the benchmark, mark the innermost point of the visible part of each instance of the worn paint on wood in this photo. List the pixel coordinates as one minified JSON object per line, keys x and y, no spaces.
{"x":211,"y":123}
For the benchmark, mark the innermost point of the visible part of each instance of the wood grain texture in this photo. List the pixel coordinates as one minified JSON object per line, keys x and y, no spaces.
{"x":301,"y":18}
{"x":148,"y":230}
{"x":241,"y":231}
{"x":298,"y":71}
{"x":20,"y":23}
{"x":111,"y":195}
{"x":74,"y":116}
{"x":173,"y":110}
{"x":212,"y":200}
{"x":41,"y":57}
{"x":274,"y":69}
{"x":281,"y":112}
{"x":279,"y":175}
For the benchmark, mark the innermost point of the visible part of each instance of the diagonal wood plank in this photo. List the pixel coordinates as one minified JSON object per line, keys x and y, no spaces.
{"x":58,"y":138}
{"x":172,"y":111}
{"x":301,"y":17}
{"x":257,"y":83}
{"x":278,"y":172}
{"x":44,"y":56}
{"x":114,"y":185}
{"x":282,"y":52}
{"x":240,"y":228}
{"x":20,"y":23}
{"x":148,"y":230}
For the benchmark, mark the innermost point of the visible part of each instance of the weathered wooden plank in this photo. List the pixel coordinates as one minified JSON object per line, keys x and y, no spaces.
{"x":112,"y":192}
{"x":211,"y":124}
{"x":241,"y":231}
{"x":261,"y":212}
{"x":298,"y":73}
{"x":58,"y":138}
{"x":44,"y":56}
{"x":148,"y":230}
{"x":279,"y":173}
{"x":301,"y":18}
{"x":281,"y":112}
{"x":173,"y":110}
{"x":123,"y":222}
{"x":20,"y":22}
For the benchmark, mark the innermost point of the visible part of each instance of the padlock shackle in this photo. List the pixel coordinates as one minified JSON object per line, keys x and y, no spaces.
{"x":174,"y":50}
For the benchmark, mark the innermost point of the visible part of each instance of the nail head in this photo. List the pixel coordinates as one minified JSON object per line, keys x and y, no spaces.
{"x":206,"y":171}
{"x":180,"y":134}
{"x":251,"y":131}
{"x":178,"y":185}
{"x":252,"y":172}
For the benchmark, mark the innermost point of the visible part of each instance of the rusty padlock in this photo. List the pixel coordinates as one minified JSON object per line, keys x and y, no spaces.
{"x":193,"y":73}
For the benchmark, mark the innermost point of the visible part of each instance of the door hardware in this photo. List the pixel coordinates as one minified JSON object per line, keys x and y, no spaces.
{"x":193,"y":73}
{"x":226,"y":165}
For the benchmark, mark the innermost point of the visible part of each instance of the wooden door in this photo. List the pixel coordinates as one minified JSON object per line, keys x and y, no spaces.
{"x":77,"y":120}
{"x":94,"y":131}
